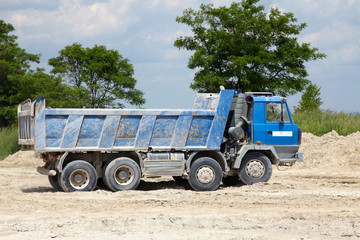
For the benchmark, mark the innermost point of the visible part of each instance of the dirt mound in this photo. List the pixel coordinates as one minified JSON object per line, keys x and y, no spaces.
{"x":331,"y":149}
{"x":22,"y":159}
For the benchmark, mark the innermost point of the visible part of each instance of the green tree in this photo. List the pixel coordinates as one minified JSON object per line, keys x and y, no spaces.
{"x":98,"y":76}
{"x":14,"y":65}
{"x":19,"y":82}
{"x":310,"y":99}
{"x":242,"y":47}
{"x":40,"y":84}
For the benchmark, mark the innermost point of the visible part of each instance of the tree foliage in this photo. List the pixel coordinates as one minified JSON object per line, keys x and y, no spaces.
{"x":18,"y":81}
{"x":98,"y":77}
{"x":14,"y":65}
{"x":94,"y":77}
{"x":40,"y":84}
{"x":243,"y":47}
{"x":310,"y":99}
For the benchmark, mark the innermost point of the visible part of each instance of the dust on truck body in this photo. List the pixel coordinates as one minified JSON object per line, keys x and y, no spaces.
{"x":228,"y":137}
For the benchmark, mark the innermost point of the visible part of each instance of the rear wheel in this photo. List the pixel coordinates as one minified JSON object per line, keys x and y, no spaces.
{"x":122,"y":174}
{"x":255,"y":167}
{"x":53,"y":180}
{"x":205,"y":174}
{"x":78,"y":175}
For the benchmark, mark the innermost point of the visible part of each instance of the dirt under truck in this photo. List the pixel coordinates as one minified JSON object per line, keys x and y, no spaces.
{"x":228,"y":137}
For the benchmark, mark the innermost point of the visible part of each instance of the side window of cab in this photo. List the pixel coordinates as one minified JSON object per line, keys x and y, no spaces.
{"x":274,"y":110}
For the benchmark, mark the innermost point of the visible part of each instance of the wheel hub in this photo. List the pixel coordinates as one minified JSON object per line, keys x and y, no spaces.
{"x":205,"y":174}
{"x":124,"y":175}
{"x":79,"y":179}
{"x":255,"y":169}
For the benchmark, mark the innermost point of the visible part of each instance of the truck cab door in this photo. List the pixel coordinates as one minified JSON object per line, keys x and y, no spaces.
{"x":278,"y":127}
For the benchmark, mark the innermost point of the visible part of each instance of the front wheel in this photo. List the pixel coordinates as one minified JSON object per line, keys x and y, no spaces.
{"x":205,"y":174}
{"x":78,"y":175}
{"x":122,"y":174}
{"x":255,"y":167}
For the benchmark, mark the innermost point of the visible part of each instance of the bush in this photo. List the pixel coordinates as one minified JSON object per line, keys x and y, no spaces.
{"x":322,"y":122}
{"x":9,"y":141}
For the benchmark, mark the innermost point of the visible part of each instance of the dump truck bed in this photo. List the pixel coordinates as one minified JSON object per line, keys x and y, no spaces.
{"x":61,"y":130}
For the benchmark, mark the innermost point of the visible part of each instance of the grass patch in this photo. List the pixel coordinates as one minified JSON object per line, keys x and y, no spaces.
{"x":8,"y":142}
{"x":322,"y":122}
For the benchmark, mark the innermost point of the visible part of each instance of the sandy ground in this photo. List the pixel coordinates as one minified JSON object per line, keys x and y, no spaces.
{"x":316,"y":199}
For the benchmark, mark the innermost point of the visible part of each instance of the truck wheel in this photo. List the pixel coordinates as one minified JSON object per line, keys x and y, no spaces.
{"x":122,"y":174}
{"x":205,"y":174}
{"x":53,"y":180}
{"x":255,"y":167}
{"x":78,"y":175}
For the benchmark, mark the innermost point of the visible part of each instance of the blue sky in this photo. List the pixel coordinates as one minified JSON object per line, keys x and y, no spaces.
{"x":144,"y":32}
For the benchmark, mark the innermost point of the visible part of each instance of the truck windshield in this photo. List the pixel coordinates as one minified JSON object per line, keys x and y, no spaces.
{"x":273,"y":112}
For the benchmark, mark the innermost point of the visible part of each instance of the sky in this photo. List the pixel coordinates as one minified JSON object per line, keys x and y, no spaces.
{"x":144,"y":31}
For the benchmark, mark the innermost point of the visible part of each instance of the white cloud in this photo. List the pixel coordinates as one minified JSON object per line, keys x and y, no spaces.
{"x":40,"y":37}
{"x":78,"y":19}
{"x":349,"y":53}
{"x":276,"y":6}
{"x":171,"y":54}
{"x":22,"y":20}
{"x":333,"y":34}
{"x":219,"y":3}
{"x":182,"y":4}
{"x":173,"y":4}
{"x":163,"y":37}
{"x":325,"y":8}
{"x":322,"y":7}
{"x":339,"y":40}
{"x":167,"y":3}
{"x":28,"y":4}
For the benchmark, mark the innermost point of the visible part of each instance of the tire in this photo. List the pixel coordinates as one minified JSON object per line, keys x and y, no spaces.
{"x":231,"y":180}
{"x":53,"y":180}
{"x":255,"y":167}
{"x":78,"y":175}
{"x":205,"y":174}
{"x":122,"y":174}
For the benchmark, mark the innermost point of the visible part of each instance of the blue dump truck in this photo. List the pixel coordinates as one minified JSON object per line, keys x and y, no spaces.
{"x":228,"y":137}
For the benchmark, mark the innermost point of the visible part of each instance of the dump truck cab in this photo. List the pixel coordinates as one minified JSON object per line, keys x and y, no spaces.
{"x":260,"y":133}
{"x":272,"y":124}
